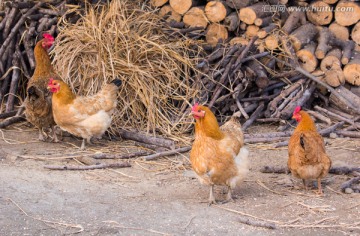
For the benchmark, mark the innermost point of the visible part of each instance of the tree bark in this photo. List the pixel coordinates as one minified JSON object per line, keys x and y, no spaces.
{"x":303,"y":35}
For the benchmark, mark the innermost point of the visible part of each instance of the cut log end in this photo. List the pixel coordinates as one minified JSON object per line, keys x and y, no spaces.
{"x":216,"y":32}
{"x":169,"y":14}
{"x":352,"y":73}
{"x":158,"y":3}
{"x":334,"y":77}
{"x":195,"y":17}
{"x":307,"y":59}
{"x":215,"y":11}
{"x":348,"y":13}
{"x":320,"y":13}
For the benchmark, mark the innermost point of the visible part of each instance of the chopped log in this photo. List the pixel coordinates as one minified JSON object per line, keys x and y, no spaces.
{"x":232,"y":21}
{"x":195,"y":17}
{"x":320,"y":117}
{"x":216,"y":32}
{"x":262,"y":22}
{"x":334,"y":115}
{"x":251,"y":31}
{"x":256,"y":223}
{"x":14,"y":81}
{"x":136,"y":136}
{"x":239,"y":40}
{"x":347,"y":13}
{"x":243,"y":26}
{"x":332,"y":60}
{"x":182,"y":6}
{"x":291,"y":23}
{"x":261,"y":79}
{"x":238,"y":4}
{"x":167,"y":153}
{"x":158,"y":3}
{"x":263,"y":32}
{"x":337,"y":170}
{"x":352,"y":71}
{"x":169,"y":14}
{"x":300,"y":100}
{"x":89,"y":167}
{"x":123,"y":156}
{"x":216,"y":11}
{"x":7,"y":114}
{"x":348,"y":183}
{"x":17,"y":26}
{"x":341,"y":32}
{"x":320,"y":13}
{"x":303,"y":35}
{"x":326,"y":38}
{"x":272,"y":42}
{"x":350,"y":134}
{"x":268,"y":135}
{"x":355,"y":33}
{"x":348,"y":102}
{"x":307,"y":58}
{"x":256,"y":114}
{"x":11,"y":121}
{"x":334,"y":77}
{"x":250,"y":13}
{"x":323,"y":43}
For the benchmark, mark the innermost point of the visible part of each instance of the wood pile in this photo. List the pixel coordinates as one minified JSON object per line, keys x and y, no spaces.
{"x":21,"y":26}
{"x":266,"y":57}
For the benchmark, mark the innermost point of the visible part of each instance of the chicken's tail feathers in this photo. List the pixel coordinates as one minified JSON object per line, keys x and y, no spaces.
{"x":117,"y":82}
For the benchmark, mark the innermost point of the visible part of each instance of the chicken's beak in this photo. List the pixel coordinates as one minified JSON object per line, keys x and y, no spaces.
{"x":198,"y":113}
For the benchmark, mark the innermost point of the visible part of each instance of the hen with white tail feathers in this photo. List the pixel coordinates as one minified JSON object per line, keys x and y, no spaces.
{"x":218,"y":155}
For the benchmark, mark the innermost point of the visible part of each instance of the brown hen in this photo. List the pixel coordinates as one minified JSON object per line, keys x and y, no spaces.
{"x":307,"y":156}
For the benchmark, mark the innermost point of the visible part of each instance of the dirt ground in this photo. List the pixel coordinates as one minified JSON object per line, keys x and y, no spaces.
{"x":162,"y":196}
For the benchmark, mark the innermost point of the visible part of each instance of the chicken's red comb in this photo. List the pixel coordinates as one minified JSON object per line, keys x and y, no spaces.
{"x":297,"y":109}
{"x":194,"y":108}
{"x":48,"y":36}
{"x":51,"y":81}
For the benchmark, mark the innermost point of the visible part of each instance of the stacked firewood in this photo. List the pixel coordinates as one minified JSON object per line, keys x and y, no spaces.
{"x":266,"y":57}
{"x":21,"y":25}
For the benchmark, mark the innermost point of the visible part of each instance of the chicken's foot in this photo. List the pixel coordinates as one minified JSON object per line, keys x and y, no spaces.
{"x":41,"y":135}
{"x":82,"y":145}
{"x":211,"y":197}
{"x":229,"y":197}
{"x":305,"y":185}
{"x":320,"y":192}
{"x":55,"y":138}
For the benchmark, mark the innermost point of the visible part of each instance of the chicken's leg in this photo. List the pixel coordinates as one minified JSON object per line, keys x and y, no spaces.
{"x":83,"y":145}
{"x":305,"y":186}
{"x":229,"y":196}
{"x":55,"y":138}
{"x":211,"y":197}
{"x":320,"y":192}
{"x":41,"y":135}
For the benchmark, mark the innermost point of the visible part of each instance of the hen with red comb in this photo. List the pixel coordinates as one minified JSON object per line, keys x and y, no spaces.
{"x":307,"y":156}
{"x":38,"y":110}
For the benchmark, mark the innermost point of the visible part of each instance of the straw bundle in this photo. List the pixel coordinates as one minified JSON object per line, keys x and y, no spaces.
{"x":122,"y":40}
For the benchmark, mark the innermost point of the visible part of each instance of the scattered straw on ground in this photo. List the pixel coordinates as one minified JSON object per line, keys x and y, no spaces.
{"x":124,"y":40}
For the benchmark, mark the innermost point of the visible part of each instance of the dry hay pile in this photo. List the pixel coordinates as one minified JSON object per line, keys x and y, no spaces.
{"x":123,"y":40}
